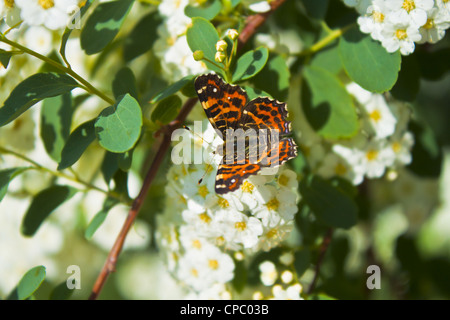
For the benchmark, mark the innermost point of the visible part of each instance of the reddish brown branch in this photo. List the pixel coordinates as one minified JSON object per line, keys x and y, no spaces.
{"x":322,"y":251}
{"x":253,"y":23}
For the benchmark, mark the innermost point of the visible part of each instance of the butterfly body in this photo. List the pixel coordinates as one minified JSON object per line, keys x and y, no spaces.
{"x":253,"y":131}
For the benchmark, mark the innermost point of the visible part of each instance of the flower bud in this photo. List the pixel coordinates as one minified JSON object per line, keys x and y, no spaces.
{"x":220,"y":56}
{"x":233,"y":34}
{"x":221,"y":45}
{"x":198,"y":55}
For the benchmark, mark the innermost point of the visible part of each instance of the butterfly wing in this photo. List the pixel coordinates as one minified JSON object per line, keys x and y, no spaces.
{"x":230,"y":176}
{"x":223,"y":103}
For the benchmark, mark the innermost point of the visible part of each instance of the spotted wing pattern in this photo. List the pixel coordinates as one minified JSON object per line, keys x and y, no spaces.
{"x":226,"y":107}
{"x":223,"y":103}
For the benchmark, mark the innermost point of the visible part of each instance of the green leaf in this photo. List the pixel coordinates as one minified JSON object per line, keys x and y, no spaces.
{"x":76,"y":144}
{"x":327,"y":104}
{"x":32,"y":90}
{"x":202,"y":35}
{"x":110,"y":165}
{"x":302,"y":260}
{"x":118,"y":127}
{"x":100,"y":217}
{"x":141,"y":38}
{"x":56,"y":118}
{"x":124,"y":82}
{"x":5,"y":56}
{"x":253,"y":93}
{"x":174,"y":88}
{"x":74,"y":24}
{"x":29,"y":283}
{"x":167,"y":109}
{"x":367,"y":62}
{"x":208,"y":12}
{"x":277,"y":71}
{"x":103,"y":25}
{"x":61,"y":292}
{"x":43,"y":204}
{"x":333,"y":206}
{"x":316,"y":9}
{"x":250,"y":63}
{"x":426,"y":152}
{"x":6,"y":175}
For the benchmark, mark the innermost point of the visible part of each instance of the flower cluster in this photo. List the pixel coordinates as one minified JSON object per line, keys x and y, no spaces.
{"x":53,"y":14}
{"x":171,"y":47}
{"x":382,"y":143}
{"x":399,"y":24}
{"x":200,"y":231}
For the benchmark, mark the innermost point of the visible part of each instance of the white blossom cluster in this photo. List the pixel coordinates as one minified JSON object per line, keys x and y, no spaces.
{"x":53,"y":14}
{"x":400,"y":24}
{"x":382,"y":144}
{"x":200,"y":232}
{"x":171,"y":47}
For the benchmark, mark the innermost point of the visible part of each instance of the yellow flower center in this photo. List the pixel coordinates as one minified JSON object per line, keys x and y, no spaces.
{"x":204,"y":217}
{"x":196,"y":244}
{"x":408,"y":5}
{"x":429,"y":24}
{"x":272,"y":234}
{"x":213,"y":264}
{"x":223,"y":203}
{"x":375,"y":115}
{"x":401,"y":34}
{"x":9,"y":4}
{"x":220,"y":241}
{"x":247,"y":187}
{"x":47,"y":4}
{"x":377,"y":16}
{"x":396,"y":146}
{"x":203,"y":191}
{"x":340,"y":169}
{"x":283,"y":180}
{"x":371,"y":155}
{"x":273,"y":204}
{"x":194,"y":272}
{"x":240,"y":226}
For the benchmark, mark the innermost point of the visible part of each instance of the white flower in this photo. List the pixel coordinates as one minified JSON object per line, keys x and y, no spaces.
{"x":416,"y":9}
{"x":380,"y":116}
{"x":53,"y":14}
{"x":39,"y":39}
{"x":434,"y":29}
{"x":242,"y":229}
{"x":268,"y":274}
{"x":335,"y":165}
{"x":10,"y":11}
{"x":362,"y":95}
{"x":401,"y":145}
{"x":287,"y":179}
{"x":272,"y":236}
{"x":261,"y":6}
{"x":376,"y":156}
{"x":373,"y":21}
{"x":291,"y":292}
{"x":400,"y":34}
{"x":444,"y":6}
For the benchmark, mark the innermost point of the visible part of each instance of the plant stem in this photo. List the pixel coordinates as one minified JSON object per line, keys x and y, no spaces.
{"x":85,"y":84}
{"x":322,"y":251}
{"x":58,"y":174}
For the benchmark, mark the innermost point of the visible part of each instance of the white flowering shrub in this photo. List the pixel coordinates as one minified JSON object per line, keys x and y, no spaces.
{"x":112,"y":116}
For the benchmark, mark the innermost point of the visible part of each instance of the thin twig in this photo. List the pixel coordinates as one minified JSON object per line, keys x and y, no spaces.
{"x":110,"y":264}
{"x":322,"y":251}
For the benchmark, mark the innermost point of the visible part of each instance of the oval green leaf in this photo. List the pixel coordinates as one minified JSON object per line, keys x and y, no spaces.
{"x":172,"y":89}
{"x":99,"y":218}
{"x":30,"y":282}
{"x":76,"y":144}
{"x":250,"y":63}
{"x":103,"y":25}
{"x":209,"y":11}
{"x":202,"y":35}
{"x":6,"y":176}
{"x":32,"y":90}
{"x":118,"y":127}
{"x":327,"y":104}
{"x":367,"y":62}
{"x":167,"y":109}
{"x":43,"y":204}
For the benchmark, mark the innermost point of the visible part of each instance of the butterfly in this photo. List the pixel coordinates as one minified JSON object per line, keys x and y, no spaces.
{"x":228,"y":107}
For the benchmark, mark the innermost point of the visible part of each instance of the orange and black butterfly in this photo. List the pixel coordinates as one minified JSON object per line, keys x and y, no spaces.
{"x":227,"y":107}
